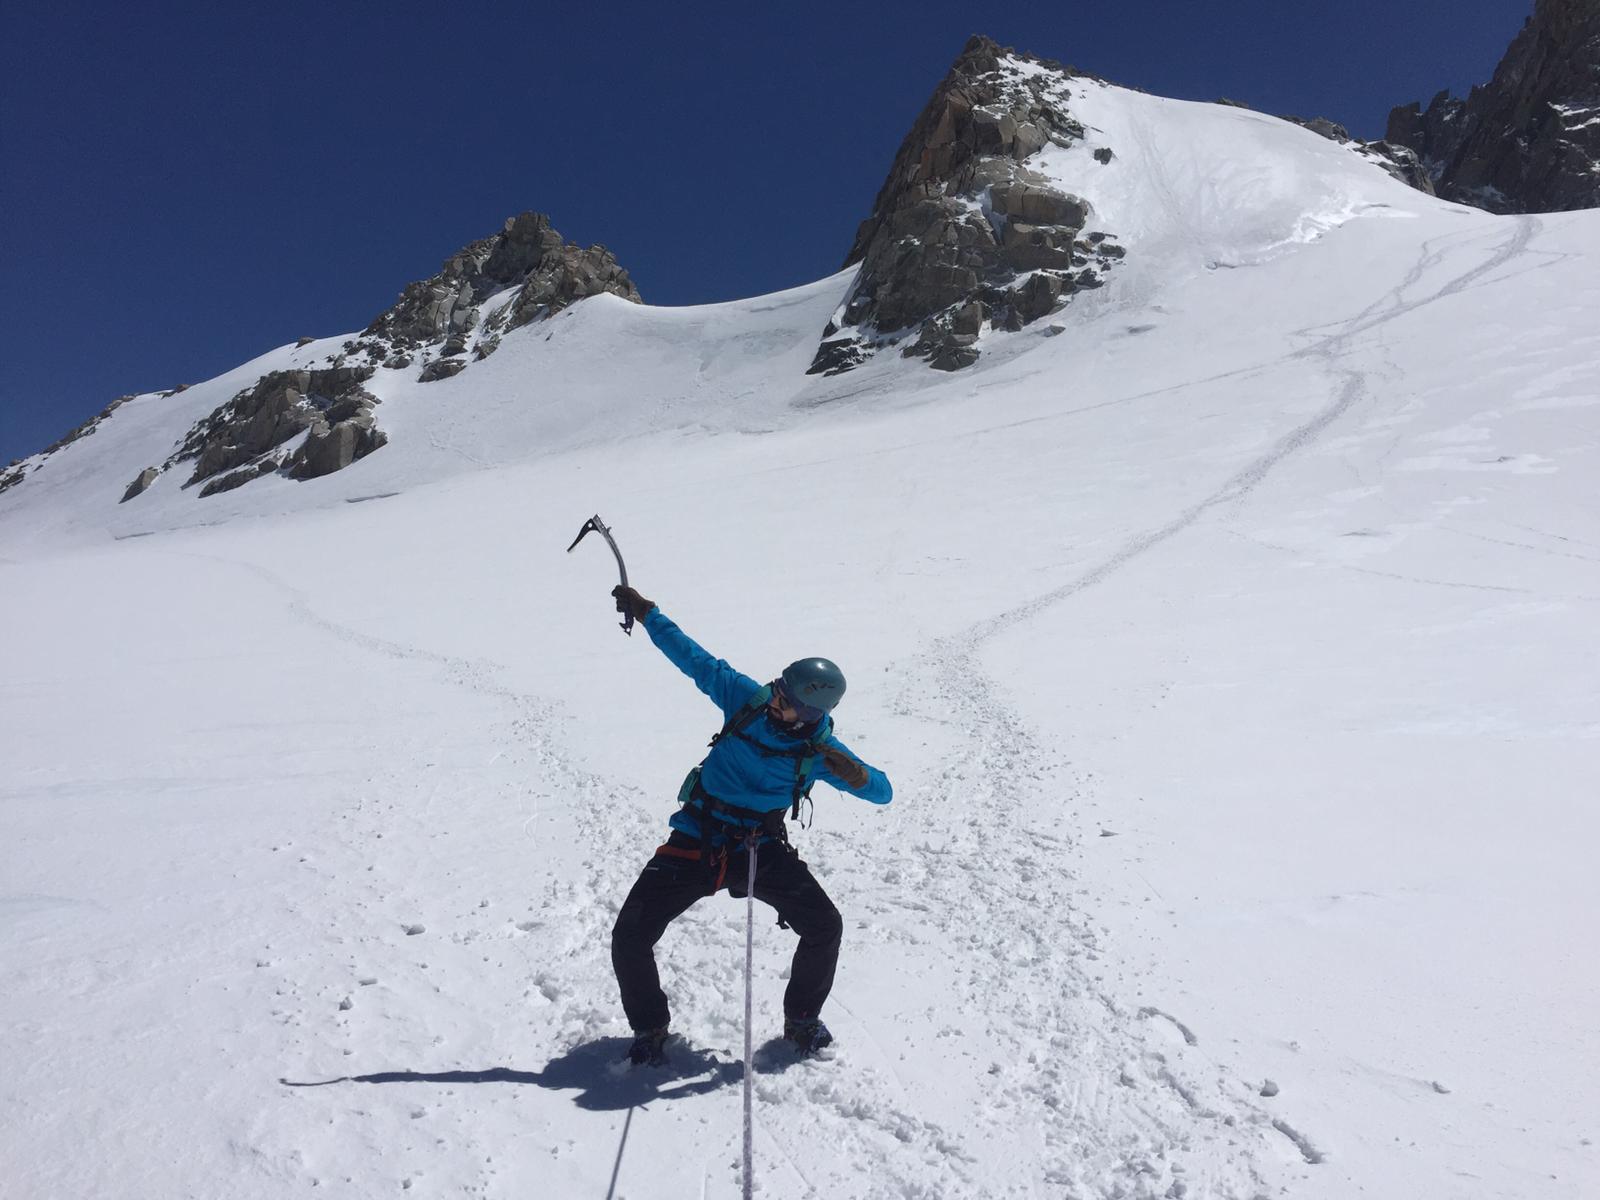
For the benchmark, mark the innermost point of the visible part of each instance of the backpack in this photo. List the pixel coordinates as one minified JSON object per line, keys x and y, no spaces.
{"x":693,"y":795}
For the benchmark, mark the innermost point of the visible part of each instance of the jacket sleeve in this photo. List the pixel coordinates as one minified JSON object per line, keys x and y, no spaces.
{"x":727,"y":688}
{"x":877,"y":789}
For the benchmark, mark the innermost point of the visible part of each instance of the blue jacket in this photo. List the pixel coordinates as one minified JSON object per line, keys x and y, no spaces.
{"x":735,"y":772}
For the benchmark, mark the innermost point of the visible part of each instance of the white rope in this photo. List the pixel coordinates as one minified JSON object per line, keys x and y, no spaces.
{"x":749,"y":1053}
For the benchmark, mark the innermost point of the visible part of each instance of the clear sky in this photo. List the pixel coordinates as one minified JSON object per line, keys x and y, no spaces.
{"x":186,"y":185}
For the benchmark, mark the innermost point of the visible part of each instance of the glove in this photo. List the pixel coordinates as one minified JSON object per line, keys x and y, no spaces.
{"x":845,"y":767}
{"x":630,"y":602}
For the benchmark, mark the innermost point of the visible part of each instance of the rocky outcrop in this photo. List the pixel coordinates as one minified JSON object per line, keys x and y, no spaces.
{"x":443,"y":368}
{"x":1529,"y":140}
{"x":226,"y":483}
{"x":439,"y":318}
{"x":141,"y":482}
{"x":1398,"y":160}
{"x":522,"y":274}
{"x":330,"y":407}
{"x":337,"y":438}
{"x":963,"y":236}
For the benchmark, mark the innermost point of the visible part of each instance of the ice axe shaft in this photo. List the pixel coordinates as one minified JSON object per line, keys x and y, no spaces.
{"x":596,"y":525}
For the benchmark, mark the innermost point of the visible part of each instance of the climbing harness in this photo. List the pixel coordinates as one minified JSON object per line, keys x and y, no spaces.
{"x":732,"y":823}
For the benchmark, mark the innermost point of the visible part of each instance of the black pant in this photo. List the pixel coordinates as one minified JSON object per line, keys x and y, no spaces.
{"x":670,"y":883}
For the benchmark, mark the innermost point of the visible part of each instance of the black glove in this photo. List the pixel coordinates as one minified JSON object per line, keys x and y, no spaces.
{"x":631,"y":603}
{"x":845,"y":767}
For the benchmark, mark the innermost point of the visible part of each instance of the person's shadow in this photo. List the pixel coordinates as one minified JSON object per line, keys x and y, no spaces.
{"x":597,"y":1071}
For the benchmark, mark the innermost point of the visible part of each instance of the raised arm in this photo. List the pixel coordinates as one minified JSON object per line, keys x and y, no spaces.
{"x":727,"y":688}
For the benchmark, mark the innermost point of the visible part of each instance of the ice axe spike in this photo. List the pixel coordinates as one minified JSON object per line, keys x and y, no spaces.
{"x":596,"y":525}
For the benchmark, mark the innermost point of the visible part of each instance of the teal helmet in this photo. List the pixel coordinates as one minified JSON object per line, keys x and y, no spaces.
{"x":813,"y":683}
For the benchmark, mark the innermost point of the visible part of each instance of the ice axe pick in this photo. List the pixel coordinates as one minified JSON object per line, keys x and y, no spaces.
{"x":595,"y":525}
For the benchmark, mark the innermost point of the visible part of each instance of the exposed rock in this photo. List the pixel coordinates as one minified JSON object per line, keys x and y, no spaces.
{"x":1040,"y":295}
{"x":961,"y":224}
{"x":329,"y":448}
{"x":943,"y":347}
{"x":1323,"y":128}
{"x":1103,"y":155}
{"x":1401,"y":162}
{"x":1396,"y":159}
{"x":444,"y":368}
{"x":838,"y":355}
{"x":437,"y":320}
{"x":1529,"y":140}
{"x":1038,"y":204}
{"x":226,"y":483}
{"x":278,"y":407}
{"x":547,"y":273}
{"x":137,"y":487}
{"x":1030,"y":247}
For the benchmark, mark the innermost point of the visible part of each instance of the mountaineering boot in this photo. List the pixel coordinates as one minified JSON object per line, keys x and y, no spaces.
{"x":807,"y":1036}
{"x":646,"y":1050}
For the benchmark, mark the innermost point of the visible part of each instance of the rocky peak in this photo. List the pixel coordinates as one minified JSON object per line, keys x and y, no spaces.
{"x":466,"y":306}
{"x":963,"y":236}
{"x":522,"y":274}
{"x":1529,"y":140}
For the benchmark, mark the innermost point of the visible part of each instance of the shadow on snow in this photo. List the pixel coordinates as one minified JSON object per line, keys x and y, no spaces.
{"x":601,"y":1075}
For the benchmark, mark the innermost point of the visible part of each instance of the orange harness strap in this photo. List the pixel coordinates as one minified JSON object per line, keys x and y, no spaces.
{"x":720,"y":858}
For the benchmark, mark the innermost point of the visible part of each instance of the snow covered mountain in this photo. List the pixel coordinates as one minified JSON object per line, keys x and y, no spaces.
{"x":1226,"y":629}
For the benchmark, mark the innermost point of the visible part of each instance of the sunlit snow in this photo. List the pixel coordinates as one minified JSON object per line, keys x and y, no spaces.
{"x":1232,"y":653}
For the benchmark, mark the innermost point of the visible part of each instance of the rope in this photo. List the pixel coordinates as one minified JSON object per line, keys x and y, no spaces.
{"x":749,"y":1053}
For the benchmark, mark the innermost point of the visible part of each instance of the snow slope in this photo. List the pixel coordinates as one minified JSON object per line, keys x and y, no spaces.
{"x":1230,"y":647}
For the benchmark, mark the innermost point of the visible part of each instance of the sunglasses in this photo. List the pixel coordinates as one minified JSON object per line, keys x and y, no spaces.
{"x":782,"y":697}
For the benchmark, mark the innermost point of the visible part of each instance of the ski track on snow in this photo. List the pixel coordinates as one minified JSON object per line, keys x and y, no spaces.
{"x":1130,"y":1138}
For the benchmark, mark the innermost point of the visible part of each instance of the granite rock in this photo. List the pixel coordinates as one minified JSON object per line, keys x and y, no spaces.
{"x":1529,"y":139}
{"x":961,"y":223}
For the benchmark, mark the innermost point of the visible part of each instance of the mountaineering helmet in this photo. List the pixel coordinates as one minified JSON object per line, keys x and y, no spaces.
{"x":813,"y":683}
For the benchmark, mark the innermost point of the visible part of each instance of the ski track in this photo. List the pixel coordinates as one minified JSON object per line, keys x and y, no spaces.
{"x":1105,"y":1106}
{"x":1170,"y":1105}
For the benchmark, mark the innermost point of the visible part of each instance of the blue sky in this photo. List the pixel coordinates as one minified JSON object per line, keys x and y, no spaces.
{"x":184,"y":186}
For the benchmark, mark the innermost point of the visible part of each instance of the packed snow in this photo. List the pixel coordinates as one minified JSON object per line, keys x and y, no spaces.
{"x":1229,"y":638}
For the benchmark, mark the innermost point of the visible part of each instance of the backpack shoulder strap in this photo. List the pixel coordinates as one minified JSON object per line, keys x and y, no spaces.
{"x":751,"y":710}
{"x":806,"y":764}
{"x":805,"y":757}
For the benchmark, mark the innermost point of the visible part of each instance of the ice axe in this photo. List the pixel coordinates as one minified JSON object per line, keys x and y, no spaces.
{"x":596,"y":525}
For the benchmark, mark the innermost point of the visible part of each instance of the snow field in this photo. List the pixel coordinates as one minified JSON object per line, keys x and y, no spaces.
{"x":1231,"y":653}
